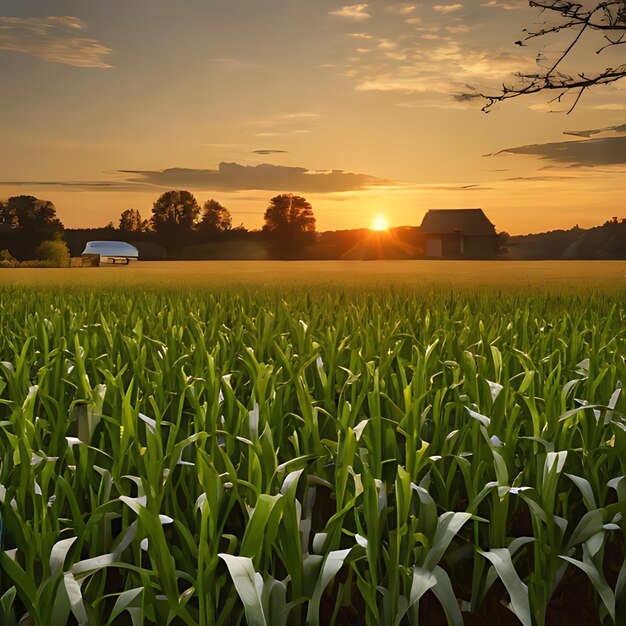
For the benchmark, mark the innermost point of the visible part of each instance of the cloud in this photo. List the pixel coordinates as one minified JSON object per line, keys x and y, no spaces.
{"x":354,"y":12}
{"x":460,"y":187}
{"x":600,"y":151}
{"x":437,"y":49}
{"x":299,"y":116}
{"x":545,"y":107}
{"x":270,"y":152}
{"x":286,"y":124}
{"x":448,"y":8}
{"x":434,"y":55}
{"x":77,"y":185}
{"x":55,"y":39}
{"x":300,"y":131}
{"x":588,"y":133}
{"x":459,"y":28}
{"x":229,"y":177}
{"x":609,"y":107}
{"x":555,"y":178}
{"x":445,"y":66}
{"x":402,"y":8}
{"x":511,"y":5}
{"x":236,"y":177}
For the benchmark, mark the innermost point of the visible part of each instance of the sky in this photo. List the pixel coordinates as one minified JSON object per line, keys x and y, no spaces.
{"x":106,"y":105}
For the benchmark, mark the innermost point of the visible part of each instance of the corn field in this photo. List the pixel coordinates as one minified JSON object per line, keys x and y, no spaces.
{"x":312,"y":456}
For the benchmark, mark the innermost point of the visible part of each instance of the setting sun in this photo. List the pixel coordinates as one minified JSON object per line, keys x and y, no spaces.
{"x":380,"y":222}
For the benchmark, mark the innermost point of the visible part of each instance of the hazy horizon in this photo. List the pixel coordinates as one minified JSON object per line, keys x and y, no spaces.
{"x":350,"y":105}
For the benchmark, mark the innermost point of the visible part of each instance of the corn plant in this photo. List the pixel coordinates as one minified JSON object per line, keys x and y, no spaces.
{"x":310,"y":455}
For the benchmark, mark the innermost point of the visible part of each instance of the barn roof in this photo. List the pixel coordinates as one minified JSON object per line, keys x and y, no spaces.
{"x":111,"y":248}
{"x":448,"y":221}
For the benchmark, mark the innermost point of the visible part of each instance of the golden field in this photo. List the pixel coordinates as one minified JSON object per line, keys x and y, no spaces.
{"x":540,"y":274}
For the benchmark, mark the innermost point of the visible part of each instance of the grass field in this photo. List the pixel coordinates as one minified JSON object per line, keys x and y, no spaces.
{"x":331,"y":443}
{"x":534,"y":274}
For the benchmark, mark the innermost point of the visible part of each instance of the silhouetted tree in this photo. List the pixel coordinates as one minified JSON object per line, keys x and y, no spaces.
{"x":607,"y":19}
{"x":288,"y":217}
{"x":174,"y":216}
{"x":215,"y":218}
{"x":130,"y":221}
{"x":26,"y":221}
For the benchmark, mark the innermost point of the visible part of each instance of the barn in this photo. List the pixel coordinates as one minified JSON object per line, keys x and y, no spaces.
{"x":109,"y":253}
{"x":458,"y":234}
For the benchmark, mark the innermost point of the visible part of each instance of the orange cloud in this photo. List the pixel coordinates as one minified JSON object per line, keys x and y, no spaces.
{"x":354,"y":12}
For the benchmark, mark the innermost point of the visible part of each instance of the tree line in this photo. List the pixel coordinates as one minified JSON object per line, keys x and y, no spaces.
{"x":177,"y":220}
{"x":179,"y":211}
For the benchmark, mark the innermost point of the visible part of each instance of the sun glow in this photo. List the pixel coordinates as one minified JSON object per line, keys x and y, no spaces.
{"x":380,"y":222}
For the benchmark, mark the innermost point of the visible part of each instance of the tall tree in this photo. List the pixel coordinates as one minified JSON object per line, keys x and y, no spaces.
{"x":174,"y":216}
{"x":288,"y":217}
{"x":130,"y":221}
{"x":26,"y":222}
{"x":606,"y":20}
{"x":215,"y":218}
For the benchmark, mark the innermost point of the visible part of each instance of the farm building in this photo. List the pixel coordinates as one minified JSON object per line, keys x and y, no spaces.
{"x":458,"y":234}
{"x":109,"y":253}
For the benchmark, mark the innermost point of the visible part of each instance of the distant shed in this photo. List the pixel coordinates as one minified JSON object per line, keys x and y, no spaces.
{"x":110,"y":253}
{"x":458,"y":234}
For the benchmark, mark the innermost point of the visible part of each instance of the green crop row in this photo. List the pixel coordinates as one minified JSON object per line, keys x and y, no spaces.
{"x":309,"y":456}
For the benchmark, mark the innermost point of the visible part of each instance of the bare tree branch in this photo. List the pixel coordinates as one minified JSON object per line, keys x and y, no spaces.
{"x":607,"y":18}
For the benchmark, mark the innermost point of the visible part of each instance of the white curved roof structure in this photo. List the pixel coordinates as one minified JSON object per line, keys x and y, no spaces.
{"x":112,"y":249}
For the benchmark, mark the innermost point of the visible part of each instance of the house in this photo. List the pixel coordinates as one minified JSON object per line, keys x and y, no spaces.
{"x":109,"y":253}
{"x":458,"y":234}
